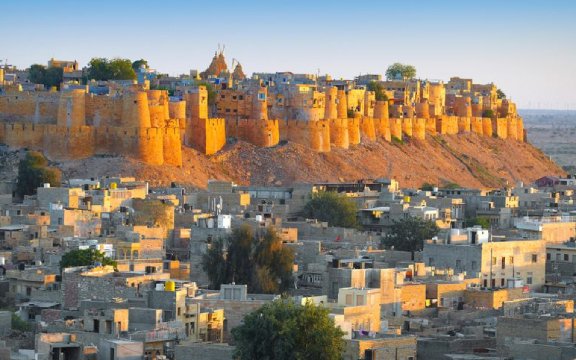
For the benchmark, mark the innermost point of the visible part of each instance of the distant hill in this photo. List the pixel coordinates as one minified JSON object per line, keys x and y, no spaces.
{"x":554,"y":132}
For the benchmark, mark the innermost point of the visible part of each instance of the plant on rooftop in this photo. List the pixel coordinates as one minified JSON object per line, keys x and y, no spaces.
{"x":85,"y":257}
{"x":286,"y":330}
{"x":500,"y":94}
{"x":479,"y":220}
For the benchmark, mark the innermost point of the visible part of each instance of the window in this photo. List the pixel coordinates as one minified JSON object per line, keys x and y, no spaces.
{"x":359,"y":300}
{"x":566,"y":257}
{"x":348,"y":299}
{"x":529,"y":280}
{"x":474,"y":265}
{"x":503,"y":263}
{"x":548,"y":256}
{"x":534,"y":258}
{"x":502,"y":282}
{"x":431,"y":261}
{"x":494,"y":261}
{"x":458,"y":264}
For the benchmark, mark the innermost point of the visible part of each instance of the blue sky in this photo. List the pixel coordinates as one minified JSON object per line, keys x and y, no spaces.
{"x":528,"y":48}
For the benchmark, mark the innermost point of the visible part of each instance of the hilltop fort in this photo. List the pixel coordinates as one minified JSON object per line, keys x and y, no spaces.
{"x":151,"y":124}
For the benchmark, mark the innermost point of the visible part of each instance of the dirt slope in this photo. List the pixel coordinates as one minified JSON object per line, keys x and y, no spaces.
{"x":468,"y":160}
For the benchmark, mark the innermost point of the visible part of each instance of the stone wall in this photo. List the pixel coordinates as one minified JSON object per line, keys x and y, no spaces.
{"x":144,"y":125}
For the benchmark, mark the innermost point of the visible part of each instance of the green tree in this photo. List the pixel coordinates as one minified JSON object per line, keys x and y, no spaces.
{"x":260,"y":261}
{"x":99,"y":69}
{"x":240,"y":255}
{"x":153,"y":212}
{"x":53,"y":77}
{"x":427,"y":186}
{"x":122,"y":69}
{"x":409,"y":234}
{"x":85,"y":257}
{"x":138,"y":64}
{"x":115,"y":69}
{"x":50,"y":77}
{"x":500,"y":94}
{"x":33,"y":171}
{"x":336,"y":209}
{"x":378,"y":89}
{"x":36,"y":73}
{"x":479,"y":220}
{"x":274,"y":263}
{"x":284,"y":330}
{"x":398,"y":71}
{"x":215,"y":265}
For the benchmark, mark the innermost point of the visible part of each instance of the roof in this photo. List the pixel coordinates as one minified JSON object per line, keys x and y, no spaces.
{"x":13,"y":227}
{"x":40,"y":304}
{"x":378,"y":208}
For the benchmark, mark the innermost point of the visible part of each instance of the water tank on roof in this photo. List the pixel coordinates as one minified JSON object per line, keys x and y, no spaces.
{"x":170,"y":286}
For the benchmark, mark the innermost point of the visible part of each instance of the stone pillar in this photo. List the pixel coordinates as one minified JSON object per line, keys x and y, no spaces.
{"x":331,"y":96}
{"x":342,"y":105}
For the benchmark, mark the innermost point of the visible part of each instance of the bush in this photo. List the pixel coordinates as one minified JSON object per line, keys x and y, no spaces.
{"x":488,"y":113}
{"x":85,"y":257}
{"x":397,"y":141}
{"x":19,"y":324}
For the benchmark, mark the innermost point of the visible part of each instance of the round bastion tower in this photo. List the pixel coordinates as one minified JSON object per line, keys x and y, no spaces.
{"x":342,"y":104}
{"x":135,"y":110}
{"x":158,"y":107}
{"x":260,"y":103}
{"x":331,"y":111}
{"x":72,"y":108}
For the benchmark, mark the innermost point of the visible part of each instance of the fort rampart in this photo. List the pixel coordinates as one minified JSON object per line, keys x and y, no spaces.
{"x":146,"y":125}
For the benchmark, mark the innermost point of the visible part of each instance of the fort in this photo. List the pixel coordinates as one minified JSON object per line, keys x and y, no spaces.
{"x":74,"y":124}
{"x":265,"y":110}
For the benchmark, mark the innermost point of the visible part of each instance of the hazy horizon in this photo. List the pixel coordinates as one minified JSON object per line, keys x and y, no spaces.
{"x":524,"y":47}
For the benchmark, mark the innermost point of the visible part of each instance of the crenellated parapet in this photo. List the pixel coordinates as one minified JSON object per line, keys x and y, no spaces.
{"x":74,"y":125}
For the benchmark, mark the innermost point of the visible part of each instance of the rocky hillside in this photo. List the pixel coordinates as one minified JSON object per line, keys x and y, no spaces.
{"x":467,"y":160}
